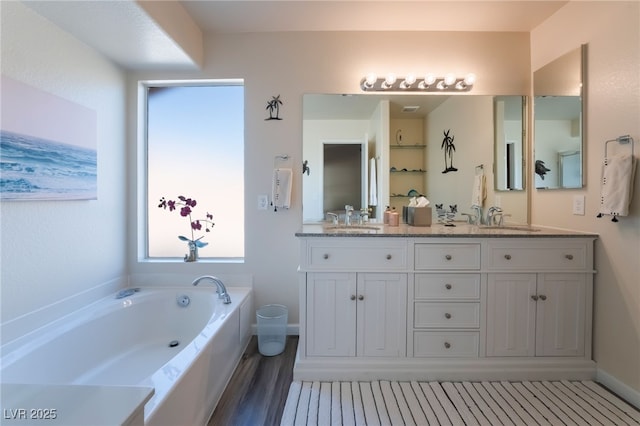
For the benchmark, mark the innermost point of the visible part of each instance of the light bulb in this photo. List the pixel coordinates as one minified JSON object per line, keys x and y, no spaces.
{"x":408,"y":82}
{"x":370,"y":80}
{"x":449,"y":79}
{"x":470,"y":79}
{"x":429,"y":79}
{"x":389,"y":81}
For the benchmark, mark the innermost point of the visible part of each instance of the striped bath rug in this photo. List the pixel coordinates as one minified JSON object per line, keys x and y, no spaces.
{"x":455,"y":403}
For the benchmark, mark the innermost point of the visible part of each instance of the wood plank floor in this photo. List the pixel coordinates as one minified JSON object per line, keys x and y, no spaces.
{"x":257,"y":391}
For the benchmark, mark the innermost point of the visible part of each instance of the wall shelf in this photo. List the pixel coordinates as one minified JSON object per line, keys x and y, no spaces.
{"x":416,"y":146}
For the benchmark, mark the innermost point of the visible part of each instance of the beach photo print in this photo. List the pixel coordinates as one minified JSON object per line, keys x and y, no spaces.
{"x":48,"y":146}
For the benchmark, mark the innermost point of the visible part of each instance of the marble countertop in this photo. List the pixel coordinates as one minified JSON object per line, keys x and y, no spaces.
{"x":68,"y":405}
{"x":460,"y":230}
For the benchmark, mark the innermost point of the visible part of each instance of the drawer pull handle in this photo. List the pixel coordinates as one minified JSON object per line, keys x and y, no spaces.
{"x":353,"y":297}
{"x":447,"y":315}
{"x":326,"y":256}
{"x":543,"y":297}
{"x":534,"y":297}
{"x":388,"y":257}
{"x":448,"y":257}
{"x":569,"y":256}
{"x":360,"y":297}
{"x":447,"y":286}
{"x":447,"y":345}
{"x":507,"y":256}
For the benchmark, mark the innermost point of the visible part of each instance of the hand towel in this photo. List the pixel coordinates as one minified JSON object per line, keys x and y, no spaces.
{"x":282,"y":179}
{"x":479,"y":192}
{"x":373,"y":184}
{"x":617,"y":185}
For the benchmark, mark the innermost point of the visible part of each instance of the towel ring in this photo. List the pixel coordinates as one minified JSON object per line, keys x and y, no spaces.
{"x":622,"y":140}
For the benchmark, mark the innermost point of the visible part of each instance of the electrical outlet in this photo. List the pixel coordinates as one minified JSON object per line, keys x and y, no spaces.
{"x":578,"y":205}
{"x":263,"y":202}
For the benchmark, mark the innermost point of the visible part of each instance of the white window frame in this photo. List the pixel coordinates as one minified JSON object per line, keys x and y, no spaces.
{"x":142,"y":195}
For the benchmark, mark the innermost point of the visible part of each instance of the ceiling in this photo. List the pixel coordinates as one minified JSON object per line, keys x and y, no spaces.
{"x":360,"y":15}
{"x":123,"y":32}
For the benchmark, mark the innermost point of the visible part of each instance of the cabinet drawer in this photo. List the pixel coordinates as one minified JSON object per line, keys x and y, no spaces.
{"x":356,"y":256}
{"x":461,"y":344}
{"x":447,"y":256}
{"x":447,"y":286}
{"x":446,"y":315}
{"x":534,"y":256}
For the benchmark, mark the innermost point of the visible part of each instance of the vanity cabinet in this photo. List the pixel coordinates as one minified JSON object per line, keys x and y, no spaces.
{"x":461,"y":308}
{"x":356,"y":314}
{"x":541,"y":311}
{"x":446,"y":305}
{"x":536,"y":315}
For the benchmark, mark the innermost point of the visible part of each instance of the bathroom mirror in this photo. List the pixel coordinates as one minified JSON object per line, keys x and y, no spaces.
{"x":403,"y":135}
{"x":558,"y":112}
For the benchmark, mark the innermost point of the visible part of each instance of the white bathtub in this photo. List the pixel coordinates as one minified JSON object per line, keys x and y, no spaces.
{"x":132,"y":342}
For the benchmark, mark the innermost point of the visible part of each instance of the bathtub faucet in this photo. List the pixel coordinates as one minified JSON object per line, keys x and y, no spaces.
{"x":220,"y":288}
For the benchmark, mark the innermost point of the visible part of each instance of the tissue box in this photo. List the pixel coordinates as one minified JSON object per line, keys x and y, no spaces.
{"x":419,"y":216}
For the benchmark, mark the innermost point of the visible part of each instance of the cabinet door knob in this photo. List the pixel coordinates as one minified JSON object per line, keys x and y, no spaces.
{"x":534,"y":297}
{"x":447,"y":315}
{"x":569,"y":256}
{"x":353,"y":297}
{"x":447,"y":345}
{"x":388,"y":257}
{"x":360,"y":297}
{"x":543,"y":297}
{"x":447,"y":286}
{"x":448,"y":257}
{"x":326,"y":256}
{"x":507,"y":256}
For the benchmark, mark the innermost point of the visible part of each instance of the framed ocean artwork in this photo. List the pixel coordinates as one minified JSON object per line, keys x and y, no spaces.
{"x":48,"y":146}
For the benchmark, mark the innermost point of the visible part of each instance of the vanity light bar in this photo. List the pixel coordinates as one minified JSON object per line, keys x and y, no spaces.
{"x":430,"y":83}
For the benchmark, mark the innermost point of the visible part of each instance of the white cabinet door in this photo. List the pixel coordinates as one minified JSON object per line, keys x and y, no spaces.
{"x":536,"y":314}
{"x":331,"y":314}
{"x":561,"y":315}
{"x":381,"y":306}
{"x":511,"y":315}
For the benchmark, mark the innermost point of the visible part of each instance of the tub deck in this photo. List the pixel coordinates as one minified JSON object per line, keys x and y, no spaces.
{"x":71,"y":405}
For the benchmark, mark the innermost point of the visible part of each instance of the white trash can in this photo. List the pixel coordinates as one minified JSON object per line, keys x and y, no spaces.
{"x":272,"y":329}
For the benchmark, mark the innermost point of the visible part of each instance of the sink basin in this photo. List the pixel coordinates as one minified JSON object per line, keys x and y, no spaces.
{"x":509,"y":228}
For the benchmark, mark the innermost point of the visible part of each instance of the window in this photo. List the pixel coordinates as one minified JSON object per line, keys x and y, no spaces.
{"x":195,"y":149}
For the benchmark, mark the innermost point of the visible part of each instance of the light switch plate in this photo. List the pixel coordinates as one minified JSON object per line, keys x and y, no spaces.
{"x":578,"y":205}
{"x":263,"y":202}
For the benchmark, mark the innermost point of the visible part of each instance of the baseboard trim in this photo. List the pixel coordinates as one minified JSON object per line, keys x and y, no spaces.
{"x":437,"y":369}
{"x":624,"y":391}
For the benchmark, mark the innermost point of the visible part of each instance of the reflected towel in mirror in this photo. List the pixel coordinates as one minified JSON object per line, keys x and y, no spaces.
{"x":373,"y":184}
{"x":479,"y":190}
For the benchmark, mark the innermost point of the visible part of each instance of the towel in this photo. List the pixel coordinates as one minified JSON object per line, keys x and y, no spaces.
{"x":282,"y":179}
{"x":373,"y":184}
{"x":617,"y":185}
{"x":479,"y":192}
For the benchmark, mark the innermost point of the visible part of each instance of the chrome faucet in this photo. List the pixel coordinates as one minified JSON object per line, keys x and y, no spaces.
{"x":364,"y":216}
{"x":220,"y":288}
{"x":491,"y":216}
{"x":347,"y":214}
{"x":334,"y":217}
{"x":476,"y":217}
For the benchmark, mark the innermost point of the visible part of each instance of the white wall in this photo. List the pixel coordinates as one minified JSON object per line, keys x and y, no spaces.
{"x":55,"y":250}
{"x":613,"y":108}
{"x":290,"y":65}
